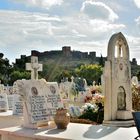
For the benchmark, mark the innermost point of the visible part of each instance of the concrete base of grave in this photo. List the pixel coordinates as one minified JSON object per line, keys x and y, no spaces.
{"x":124,"y":115}
{"x":74,"y":131}
{"x":119,"y":123}
{"x":7,"y":119}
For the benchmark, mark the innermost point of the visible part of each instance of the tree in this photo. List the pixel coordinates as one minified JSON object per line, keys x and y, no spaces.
{"x":5,"y":69}
{"x":90,"y":72}
{"x":101,"y":61}
{"x":20,"y":63}
{"x":17,"y":75}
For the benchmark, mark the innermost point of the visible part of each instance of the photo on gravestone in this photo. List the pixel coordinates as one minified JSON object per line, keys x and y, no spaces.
{"x":52,"y":98}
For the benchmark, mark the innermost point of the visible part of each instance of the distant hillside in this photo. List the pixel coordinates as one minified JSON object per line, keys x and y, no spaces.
{"x":66,"y":57}
{"x":70,"y":59}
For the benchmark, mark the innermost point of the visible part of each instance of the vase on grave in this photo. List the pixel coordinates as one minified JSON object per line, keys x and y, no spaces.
{"x":61,"y":118}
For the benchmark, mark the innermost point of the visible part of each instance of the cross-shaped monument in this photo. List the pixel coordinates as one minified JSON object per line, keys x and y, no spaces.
{"x":34,"y":67}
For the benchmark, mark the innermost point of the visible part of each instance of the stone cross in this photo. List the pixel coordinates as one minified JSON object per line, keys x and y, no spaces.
{"x":72,"y":79}
{"x":34,"y":67}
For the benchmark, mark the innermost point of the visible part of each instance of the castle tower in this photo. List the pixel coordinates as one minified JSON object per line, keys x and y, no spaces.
{"x":66,"y":51}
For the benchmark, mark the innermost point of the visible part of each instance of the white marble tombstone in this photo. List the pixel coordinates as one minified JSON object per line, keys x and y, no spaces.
{"x":135,"y":80}
{"x":40,"y":99}
{"x":17,"y":105}
{"x":65,"y":88}
{"x":3,"y":99}
{"x":10,"y":101}
{"x":9,"y":92}
{"x":117,"y":80}
{"x":52,"y":98}
{"x":35,"y":110}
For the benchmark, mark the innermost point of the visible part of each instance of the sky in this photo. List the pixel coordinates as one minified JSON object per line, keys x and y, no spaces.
{"x":85,"y":25}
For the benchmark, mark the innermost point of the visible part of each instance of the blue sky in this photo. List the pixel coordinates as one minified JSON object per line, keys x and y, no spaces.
{"x":85,"y":25}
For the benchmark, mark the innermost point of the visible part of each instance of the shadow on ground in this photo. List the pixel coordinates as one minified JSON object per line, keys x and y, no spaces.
{"x":99,"y":131}
{"x":55,"y":131}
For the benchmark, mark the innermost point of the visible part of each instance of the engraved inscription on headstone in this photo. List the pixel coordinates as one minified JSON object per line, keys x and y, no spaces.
{"x":40,"y":99}
{"x":17,"y":105}
{"x":53,"y":98}
{"x":38,"y":108}
{"x":10,"y":101}
{"x":36,"y":102}
{"x":3,"y":102}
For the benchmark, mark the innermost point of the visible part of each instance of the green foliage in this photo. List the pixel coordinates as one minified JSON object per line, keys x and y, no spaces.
{"x":90,"y":115}
{"x":93,"y":115}
{"x":56,"y":73}
{"x":90,"y":72}
{"x":51,"y":72}
{"x":101,"y":61}
{"x":20,"y":63}
{"x":5,"y":69}
{"x":17,"y":75}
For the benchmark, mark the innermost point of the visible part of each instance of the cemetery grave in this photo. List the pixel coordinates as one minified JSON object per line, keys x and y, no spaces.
{"x":41,"y":100}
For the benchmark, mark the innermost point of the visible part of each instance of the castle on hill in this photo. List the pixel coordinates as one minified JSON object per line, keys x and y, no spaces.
{"x":68,"y":57}
{"x":65,"y":52}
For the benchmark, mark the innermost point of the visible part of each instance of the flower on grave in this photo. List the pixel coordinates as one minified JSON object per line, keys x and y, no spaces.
{"x":98,"y":98}
{"x":89,"y":107}
{"x":88,"y":99}
{"x":135,"y":97}
{"x":96,"y":89}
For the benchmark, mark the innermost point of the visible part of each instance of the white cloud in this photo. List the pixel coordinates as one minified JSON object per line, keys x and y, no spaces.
{"x":134,"y":47}
{"x":40,"y":3}
{"x":104,"y":26}
{"x":137,"y":2}
{"x":26,"y":31}
{"x":98,"y":10}
{"x":137,"y":20}
{"x":133,"y":41}
{"x":22,"y":32}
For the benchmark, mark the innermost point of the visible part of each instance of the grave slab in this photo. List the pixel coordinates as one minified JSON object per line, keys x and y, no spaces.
{"x":7,"y":119}
{"x":74,"y":131}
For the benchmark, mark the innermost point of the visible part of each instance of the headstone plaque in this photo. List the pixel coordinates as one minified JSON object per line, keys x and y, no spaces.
{"x":52,"y":98}
{"x":3,"y":102}
{"x":10,"y":101}
{"x":17,"y":105}
{"x":35,"y":106}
